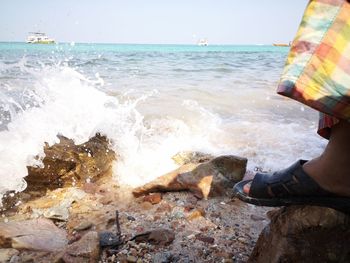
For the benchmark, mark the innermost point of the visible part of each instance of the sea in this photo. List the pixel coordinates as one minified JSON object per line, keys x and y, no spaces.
{"x":151,"y":101}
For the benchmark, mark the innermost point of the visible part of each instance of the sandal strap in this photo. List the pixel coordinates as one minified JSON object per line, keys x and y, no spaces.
{"x":292,"y":181}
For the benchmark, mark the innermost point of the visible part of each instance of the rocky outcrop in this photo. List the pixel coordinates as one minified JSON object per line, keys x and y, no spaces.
{"x":214,"y":177}
{"x":304,"y":234}
{"x":65,"y":164}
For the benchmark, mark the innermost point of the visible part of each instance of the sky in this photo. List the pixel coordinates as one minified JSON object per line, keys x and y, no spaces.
{"x":153,"y":21}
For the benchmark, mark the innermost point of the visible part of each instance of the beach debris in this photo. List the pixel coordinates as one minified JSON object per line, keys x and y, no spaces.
{"x":304,"y":234}
{"x":156,"y":237}
{"x":36,"y":234}
{"x":86,"y":249}
{"x":110,"y":239}
{"x":186,"y":157}
{"x":215,"y":177}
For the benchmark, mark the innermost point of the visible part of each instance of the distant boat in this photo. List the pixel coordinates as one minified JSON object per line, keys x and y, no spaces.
{"x":39,"y":38}
{"x":203,"y":42}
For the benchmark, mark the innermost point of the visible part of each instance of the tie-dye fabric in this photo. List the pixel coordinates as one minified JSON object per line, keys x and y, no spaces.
{"x":317,"y":71}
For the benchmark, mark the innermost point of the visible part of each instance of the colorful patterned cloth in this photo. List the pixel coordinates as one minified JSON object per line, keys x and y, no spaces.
{"x":317,"y":71}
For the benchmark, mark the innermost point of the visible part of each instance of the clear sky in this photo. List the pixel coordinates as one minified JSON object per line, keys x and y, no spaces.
{"x":153,"y":21}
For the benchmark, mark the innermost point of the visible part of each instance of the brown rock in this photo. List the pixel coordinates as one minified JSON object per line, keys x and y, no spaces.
{"x":83,"y":226}
{"x":186,"y":157}
{"x":214,"y":177}
{"x":304,"y":234}
{"x":86,"y":250}
{"x":206,"y":239}
{"x":198,"y":213}
{"x":67,"y":164}
{"x":153,"y":198}
{"x":36,"y":234}
{"x":157,"y":237}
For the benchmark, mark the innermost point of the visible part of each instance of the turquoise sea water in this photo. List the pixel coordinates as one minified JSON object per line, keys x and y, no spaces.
{"x":152,"y":101}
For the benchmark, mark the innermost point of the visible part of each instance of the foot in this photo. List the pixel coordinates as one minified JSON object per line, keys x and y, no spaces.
{"x":331,"y":169}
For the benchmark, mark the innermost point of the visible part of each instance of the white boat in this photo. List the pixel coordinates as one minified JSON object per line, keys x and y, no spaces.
{"x":203,"y":42}
{"x":39,"y":38}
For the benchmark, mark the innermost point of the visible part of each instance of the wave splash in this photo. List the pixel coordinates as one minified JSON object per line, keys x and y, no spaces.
{"x":60,"y":100}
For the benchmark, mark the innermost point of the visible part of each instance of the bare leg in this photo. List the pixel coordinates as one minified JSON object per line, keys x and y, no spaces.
{"x":331,"y":170}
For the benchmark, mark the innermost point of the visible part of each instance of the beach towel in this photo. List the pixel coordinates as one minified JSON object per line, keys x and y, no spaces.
{"x":317,"y":70}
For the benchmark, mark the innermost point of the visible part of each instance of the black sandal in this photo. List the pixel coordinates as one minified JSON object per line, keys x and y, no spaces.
{"x":291,"y":186}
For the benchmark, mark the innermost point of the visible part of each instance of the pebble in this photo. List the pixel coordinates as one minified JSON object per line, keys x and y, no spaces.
{"x":83,"y":226}
{"x":153,"y":198}
{"x":131,"y":259}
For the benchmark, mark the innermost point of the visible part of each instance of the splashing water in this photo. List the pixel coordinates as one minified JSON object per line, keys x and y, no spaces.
{"x":149,"y":108}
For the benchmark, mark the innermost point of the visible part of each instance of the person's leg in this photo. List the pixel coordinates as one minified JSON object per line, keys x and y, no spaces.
{"x":331,"y":170}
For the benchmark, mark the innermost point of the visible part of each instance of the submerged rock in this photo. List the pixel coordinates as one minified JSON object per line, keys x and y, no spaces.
{"x":304,"y":234}
{"x":37,"y":234}
{"x":215,"y":177}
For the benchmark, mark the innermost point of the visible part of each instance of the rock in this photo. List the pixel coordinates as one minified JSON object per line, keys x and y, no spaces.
{"x":109,"y":239}
{"x":156,"y":237}
{"x":198,"y":213}
{"x":67,"y":164}
{"x":7,"y":253}
{"x":304,"y":234}
{"x":153,"y":198}
{"x":86,"y":250}
{"x":186,"y":157}
{"x":131,"y":259}
{"x":57,"y":208}
{"x":206,"y":239}
{"x":163,"y":257}
{"x":83,"y":226}
{"x":215,"y":177}
{"x":37,"y":234}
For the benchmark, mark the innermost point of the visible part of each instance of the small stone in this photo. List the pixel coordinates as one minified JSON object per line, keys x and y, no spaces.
{"x":83,"y":226}
{"x":153,"y":198}
{"x":86,"y":247}
{"x":146,"y":205}
{"x":164,"y":207}
{"x":131,"y":259}
{"x":205,"y":239}
{"x":196,"y":214}
{"x":131,"y":218}
{"x":108,"y":239}
{"x":7,"y":253}
{"x":257,"y":218}
{"x":156,"y":237}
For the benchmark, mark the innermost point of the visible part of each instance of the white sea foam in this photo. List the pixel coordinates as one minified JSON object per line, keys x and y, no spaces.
{"x":68,"y":103}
